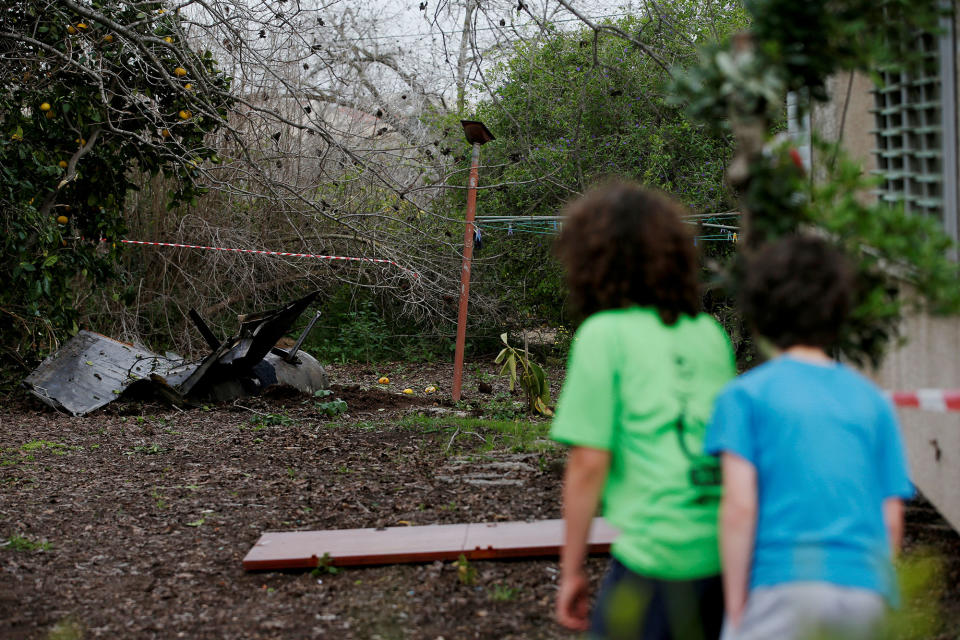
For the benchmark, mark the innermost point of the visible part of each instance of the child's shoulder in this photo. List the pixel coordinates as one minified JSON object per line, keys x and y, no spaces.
{"x":788,"y":371}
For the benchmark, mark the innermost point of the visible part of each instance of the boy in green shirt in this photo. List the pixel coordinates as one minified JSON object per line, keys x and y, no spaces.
{"x":643,"y":373}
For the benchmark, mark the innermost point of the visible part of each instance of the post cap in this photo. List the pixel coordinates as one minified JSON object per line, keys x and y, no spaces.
{"x":476,"y":132}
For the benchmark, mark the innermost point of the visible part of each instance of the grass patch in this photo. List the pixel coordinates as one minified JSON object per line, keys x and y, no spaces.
{"x":66,"y":629}
{"x":22,"y":543}
{"x":514,"y":435}
{"x":151,"y":450}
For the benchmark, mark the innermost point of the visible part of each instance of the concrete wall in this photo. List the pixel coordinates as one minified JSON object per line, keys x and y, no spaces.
{"x":929,"y":360}
{"x":829,"y":123}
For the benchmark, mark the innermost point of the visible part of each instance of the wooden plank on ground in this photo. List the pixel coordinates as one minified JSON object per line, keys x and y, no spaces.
{"x":391,"y":545}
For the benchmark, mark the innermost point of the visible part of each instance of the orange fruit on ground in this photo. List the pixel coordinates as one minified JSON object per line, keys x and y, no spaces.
{"x":184,"y":114}
{"x":165,"y":133}
{"x":81,"y":25}
{"x":180,"y":72}
{"x":384,"y":380}
{"x":71,"y":29}
{"x":168,"y":40}
{"x":44,"y":106}
{"x":62,"y":219}
{"x":188,"y":86}
{"x":108,"y":38}
{"x":409,"y":392}
{"x":62,"y":164}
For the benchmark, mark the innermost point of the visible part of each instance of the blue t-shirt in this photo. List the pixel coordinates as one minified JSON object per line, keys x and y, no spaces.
{"x":827,"y":450}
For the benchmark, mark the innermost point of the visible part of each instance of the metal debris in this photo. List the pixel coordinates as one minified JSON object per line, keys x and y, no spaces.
{"x":91,"y":370}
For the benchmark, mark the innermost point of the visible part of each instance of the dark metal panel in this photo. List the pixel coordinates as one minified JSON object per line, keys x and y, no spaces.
{"x":90,"y":370}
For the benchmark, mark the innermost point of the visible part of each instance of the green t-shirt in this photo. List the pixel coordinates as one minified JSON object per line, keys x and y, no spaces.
{"x":644,"y":391}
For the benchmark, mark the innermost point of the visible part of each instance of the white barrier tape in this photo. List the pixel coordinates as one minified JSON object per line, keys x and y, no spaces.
{"x":269,"y":253}
{"x":927,"y":399}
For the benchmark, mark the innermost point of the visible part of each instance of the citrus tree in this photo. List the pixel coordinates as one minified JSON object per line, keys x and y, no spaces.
{"x":90,"y":92}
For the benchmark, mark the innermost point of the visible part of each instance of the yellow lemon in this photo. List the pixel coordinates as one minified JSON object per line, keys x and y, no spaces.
{"x":45,"y":106}
{"x":188,"y":86}
{"x":409,"y":392}
{"x":165,"y":133}
{"x":62,"y":219}
{"x":81,"y":25}
{"x":71,"y":29}
{"x":168,"y":40}
{"x":62,"y":164}
{"x":184,"y":114}
{"x":384,"y":380}
{"x":430,"y":389}
{"x":108,"y":38}
{"x":180,"y":72}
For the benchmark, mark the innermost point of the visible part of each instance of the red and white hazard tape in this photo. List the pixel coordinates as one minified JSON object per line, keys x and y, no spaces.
{"x":927,"y":399}
{"x":269,"y":253}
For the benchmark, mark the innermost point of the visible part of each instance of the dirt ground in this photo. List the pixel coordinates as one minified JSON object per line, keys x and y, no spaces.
{"x":132,"y":522}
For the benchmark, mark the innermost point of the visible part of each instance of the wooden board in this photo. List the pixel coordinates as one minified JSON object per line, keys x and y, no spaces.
{"x":392,"y":545}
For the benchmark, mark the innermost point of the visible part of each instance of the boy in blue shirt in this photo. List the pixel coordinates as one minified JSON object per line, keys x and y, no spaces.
{"x":813,"y":464}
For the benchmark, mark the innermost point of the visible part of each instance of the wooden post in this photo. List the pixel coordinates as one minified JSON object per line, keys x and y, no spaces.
{"x":465,"y":272}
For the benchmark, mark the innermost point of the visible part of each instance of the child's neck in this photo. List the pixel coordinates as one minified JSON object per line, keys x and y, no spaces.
{"x":807,"y":353}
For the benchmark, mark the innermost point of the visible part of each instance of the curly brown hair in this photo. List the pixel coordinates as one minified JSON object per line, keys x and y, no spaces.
{"x":798,"y":291}
{"x":624,"y":245}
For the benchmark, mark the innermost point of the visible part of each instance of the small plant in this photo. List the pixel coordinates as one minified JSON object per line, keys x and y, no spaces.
{"x":66,"y":629}
{"x":270,"y":420}
{"x":466,"y":572}
{"x":34,"y":445}
{"x":161,"y":503}
{"x":22,"y":543}
{"x":152,"y":450}
{"x":503,"y":593}
{"x":528,"y":374}
{"x":324,"y":566}
{"x":329,"y":408}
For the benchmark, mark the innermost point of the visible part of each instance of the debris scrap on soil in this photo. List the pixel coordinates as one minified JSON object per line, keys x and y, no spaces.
{"x":425,"y":543}
{"x":91,"y":370}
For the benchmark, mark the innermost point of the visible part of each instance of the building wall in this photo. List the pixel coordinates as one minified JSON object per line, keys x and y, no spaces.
{"x":930,"y":359}
{"x":851,"y":92}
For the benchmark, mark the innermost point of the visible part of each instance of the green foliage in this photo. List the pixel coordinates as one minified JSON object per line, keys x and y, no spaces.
{"x":82,"y":104}
{"x":503,"y":593}
{"x":849,"y":34}
{"x":745,"y":85}
{"x":66,"y":629}
{"x":569,"y":110}
{"x":890,"y":246}
{"x":263,"y":421}
{"x":466,"y":572}
{"x":356,"y":327}
{"x":528,"y":374}
{"x":921,"y":578}
{"x":17,"y":542}
{"x":324,"y":567}
{"x":151,"y":450}
{"x":329,"y":408}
